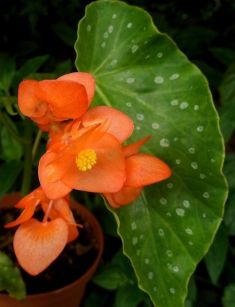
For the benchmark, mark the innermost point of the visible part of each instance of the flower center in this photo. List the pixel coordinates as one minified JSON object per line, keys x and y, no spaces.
{"x":86,"y":159}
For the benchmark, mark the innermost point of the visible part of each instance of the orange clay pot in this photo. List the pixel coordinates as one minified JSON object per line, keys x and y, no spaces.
{"x":71,"y":295}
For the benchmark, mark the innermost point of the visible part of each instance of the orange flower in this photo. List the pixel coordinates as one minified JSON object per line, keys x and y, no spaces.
{"x":141,"y":170}
{"x":37,"y":244}
{"x":86,"y":155}
{"x":49,"y":101}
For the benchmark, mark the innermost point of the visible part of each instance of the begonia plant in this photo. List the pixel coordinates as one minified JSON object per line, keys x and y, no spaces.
{"x":137,"y":125}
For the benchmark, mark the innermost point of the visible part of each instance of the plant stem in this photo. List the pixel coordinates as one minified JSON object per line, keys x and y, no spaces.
{"x":28,"y":159}
{"x":36,"y":143}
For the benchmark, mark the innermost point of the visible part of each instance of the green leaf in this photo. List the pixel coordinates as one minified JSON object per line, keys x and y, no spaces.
{"x":216,"y":257}
{"x":110,"y":278}
{"x":7,"y":68}
{"x":10,"y":278}
{"x":224,"y":55}
{"x":227,"y":111}
{"x":11,"y":149}
{"x":9,"y":171}
{"x":229,"y":296}
{"x":29,"y":67}
{"x":118,"y":273}
{"x":140,"y":71}
{"x":129,"y":295}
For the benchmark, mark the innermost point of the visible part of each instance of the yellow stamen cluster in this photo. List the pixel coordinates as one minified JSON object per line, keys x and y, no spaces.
{"x":86,"y":159}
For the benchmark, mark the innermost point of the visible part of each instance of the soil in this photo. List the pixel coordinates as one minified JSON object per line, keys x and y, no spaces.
{"x":72,"y":263}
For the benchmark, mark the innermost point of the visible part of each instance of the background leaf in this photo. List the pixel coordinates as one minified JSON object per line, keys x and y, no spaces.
{"x":216,"y":257}
{"x":140,"y":71}
{"x":10,"y":278}
{"x":11,"y":149}
{"x":7,"y":68}
{"x":227,"y":110}
{"x":229,"y":296}
{"x":9,"y":171}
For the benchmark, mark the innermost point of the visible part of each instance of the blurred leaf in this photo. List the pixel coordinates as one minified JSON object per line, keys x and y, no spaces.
{"x":194,"y":39}
{"x":64,"y":67}
{"x":10,"y":278}
{"x":227,"y":111}
{"x":65,"y":33}
{"x":229,"y":216}
{"x":192,"y":293}
{"x":225,"y":55}
{"x":11,"y":149}
{"x":110,"y":278}
{"x":9,"y":172}
{"x":216,"y":257}
{"x":117,"y":273}
{"x":229,"y":296}
{"x":7,"y":71}
{"x":229,"y":170}
{"x":140,"y":71}
{"x":129,"y":295}
{"x":96,"y":298}
{"x":29,"y":67}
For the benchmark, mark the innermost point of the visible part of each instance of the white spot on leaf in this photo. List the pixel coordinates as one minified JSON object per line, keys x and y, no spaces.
{"x":194,"y":165}
{"x":158,"y":80}
{"x":180,"y":211}
{"x":140,"y":117}
{"x":183,"y":105}
{"x":174,"y":76}
{"x":164,"y":142}
{"x":134,"y":48}
{"x":155,"y":126}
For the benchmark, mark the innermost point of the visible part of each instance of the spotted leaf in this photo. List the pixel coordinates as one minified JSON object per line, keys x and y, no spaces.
{"x":140,"y":71}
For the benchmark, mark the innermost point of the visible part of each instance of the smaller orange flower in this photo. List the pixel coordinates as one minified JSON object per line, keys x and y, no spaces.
{"x":49,"y":101}
{"x":141,"y":170}
{"x":37,"y":244}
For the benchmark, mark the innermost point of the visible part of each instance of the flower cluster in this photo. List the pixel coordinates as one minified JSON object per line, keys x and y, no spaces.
{"x":86,"y":151}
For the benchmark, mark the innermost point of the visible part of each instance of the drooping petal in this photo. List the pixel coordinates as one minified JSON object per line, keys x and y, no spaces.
{"x":107,"y":175}
{"x":31,"y":198}
{"x":85,"y":79}
{"x":37,"y":244}
{"x":144,"y":169}
{"x":120,"y":125}
{"x":66,"y":99}
{"x":124,"y":197}
{"x":24,"y":216}
{"x":133,"y":148}
{"x":29,"y":102}
{"x":49,"y":178}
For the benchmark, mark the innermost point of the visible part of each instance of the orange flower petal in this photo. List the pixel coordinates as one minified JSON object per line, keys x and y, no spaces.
{"x":52,"y":188}
{"x":66,"y":99}
{"x":120,"y":125}
{"x":124,"y":197}
{"x":24,"y":216}
{"x":107,"y":175}
{"x":29,"y":103}
{"x":144,"y":169}
{"x":85,"y":79}
{"x":132,"y":149}
{"x":61,"y":209}
{"x":37,"y":244}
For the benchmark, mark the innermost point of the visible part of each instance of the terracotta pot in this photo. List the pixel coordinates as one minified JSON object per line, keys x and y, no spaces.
{"x":71,"y":295}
